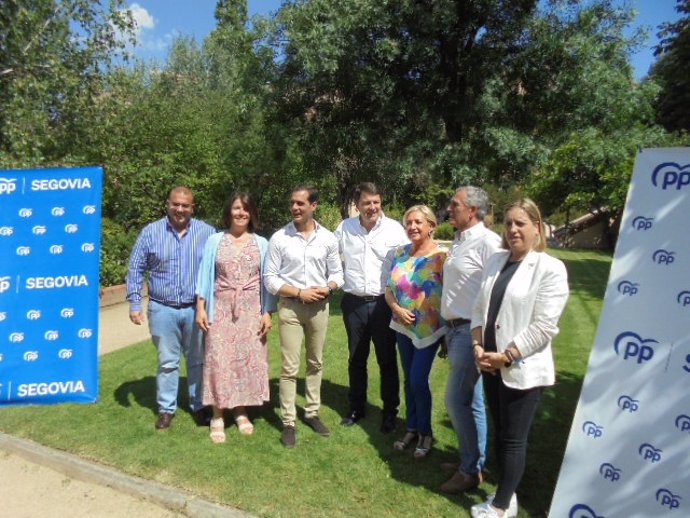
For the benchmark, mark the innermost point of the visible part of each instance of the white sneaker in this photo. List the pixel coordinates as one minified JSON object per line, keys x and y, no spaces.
{"x":479,"y":511}
{"x":484,"y":510}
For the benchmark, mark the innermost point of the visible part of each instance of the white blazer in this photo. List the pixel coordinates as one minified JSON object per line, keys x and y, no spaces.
{"x":534,"y":301}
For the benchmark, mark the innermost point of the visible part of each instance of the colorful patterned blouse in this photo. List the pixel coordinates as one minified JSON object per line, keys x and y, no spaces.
{"x":416,"y":283}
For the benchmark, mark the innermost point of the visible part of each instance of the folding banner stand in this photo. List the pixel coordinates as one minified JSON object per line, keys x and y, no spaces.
{"x":628,"y":453}
{"x":50,"y":235}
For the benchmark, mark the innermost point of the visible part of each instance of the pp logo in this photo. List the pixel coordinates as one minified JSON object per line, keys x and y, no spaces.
{"x":89,"y":209}
{"x":23,"y":250}
{"x":8,"y":185}
{"x":85,"y":333}
{"x":71,"y":228}
{"x":56,"y":249}
{"x":610,"y":472}
{"x":25,"y":213}
{"x":3,"y":316}
{"x":87,"y":247}
{"x":628,"y":288}
{"x":636,"y":347}
{"x":628,"y":403}
{"x":649,"y":452}
{"x":16,"y":337}
{"x":662,"y":256}
{"x":33,"y":314}
{"x":684,"y":298}
{"x":592,"y":429}
{"x":582,"y":511}
{"x":4,"y":284}
{"x":51,"y":335}
{"x":642,"y":223}
{"x":6,"y":231}
{"x":67,"y":312}
{"x":670,"y":175}
{"x":2,"y":357}
{"x":683,"y":423}
{"x":39,"y":230}
{"x":667,"y":499}
{"x":686,"y":367}
{"x":65,"y":354}
{"x":31,"y":356}
{"x":58,"y":211}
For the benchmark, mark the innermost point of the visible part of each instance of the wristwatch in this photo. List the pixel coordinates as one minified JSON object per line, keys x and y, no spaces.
{"x":330,"y":291}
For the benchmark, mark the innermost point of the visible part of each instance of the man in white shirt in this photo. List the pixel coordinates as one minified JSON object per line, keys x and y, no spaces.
{"x":303,"y":268}
{"x":462,"y":273}
{"x":365,"y":242}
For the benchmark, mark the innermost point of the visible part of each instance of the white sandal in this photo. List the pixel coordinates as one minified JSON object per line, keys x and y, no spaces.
{"x":217,"y":427}
{"x":244,"y":425}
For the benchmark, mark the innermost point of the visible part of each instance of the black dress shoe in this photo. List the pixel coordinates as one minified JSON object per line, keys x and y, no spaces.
{"x":164,"y":420}
{"x":202,"y":417}
{"x":388,"y":423}
{"x":351,"y":418}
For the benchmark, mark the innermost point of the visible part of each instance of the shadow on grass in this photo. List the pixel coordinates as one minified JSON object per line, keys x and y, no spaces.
{"x":549,"y":436}
{"x":141,"y":391}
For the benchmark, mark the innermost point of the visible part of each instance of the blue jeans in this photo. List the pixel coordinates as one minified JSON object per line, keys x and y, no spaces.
{"x":465,"y":400}
{"x":175,"y":333}
{"x":416,"y":364}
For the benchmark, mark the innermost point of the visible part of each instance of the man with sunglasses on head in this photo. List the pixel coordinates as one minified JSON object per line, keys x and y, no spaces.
{"x":169,"y":252}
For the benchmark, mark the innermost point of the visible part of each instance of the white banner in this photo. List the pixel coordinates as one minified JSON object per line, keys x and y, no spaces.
{"x":628,"y":453}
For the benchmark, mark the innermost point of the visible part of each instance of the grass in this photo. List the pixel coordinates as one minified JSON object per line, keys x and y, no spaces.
{"x":355,"y":472}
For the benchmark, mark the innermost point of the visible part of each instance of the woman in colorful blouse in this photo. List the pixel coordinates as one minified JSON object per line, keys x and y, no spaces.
{"x":414,"y":295}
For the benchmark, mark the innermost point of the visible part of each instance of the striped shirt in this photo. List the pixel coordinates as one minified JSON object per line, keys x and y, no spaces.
{"x":171,"y":262}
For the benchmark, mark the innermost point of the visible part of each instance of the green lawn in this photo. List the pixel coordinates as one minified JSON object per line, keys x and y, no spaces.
{"x":355,"y":472}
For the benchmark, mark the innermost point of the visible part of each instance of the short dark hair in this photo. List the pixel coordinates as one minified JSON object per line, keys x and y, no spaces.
{"x":366,"y":188}
{"x":186,"y":191}
{"x":312,"y":192}
{"x":249,"y":206}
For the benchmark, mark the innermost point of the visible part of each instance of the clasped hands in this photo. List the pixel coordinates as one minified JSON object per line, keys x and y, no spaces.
{"x":313,"y":294}
{"x":487,"y":361}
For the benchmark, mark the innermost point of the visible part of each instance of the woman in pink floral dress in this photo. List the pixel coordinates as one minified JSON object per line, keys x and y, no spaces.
{"x":234,"y":310}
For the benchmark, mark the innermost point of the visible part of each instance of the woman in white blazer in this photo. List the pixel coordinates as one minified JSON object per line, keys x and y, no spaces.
{"x":515,"y":317}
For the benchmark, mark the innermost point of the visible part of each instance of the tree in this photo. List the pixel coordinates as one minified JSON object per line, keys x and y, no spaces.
{"x":671,"y":71}
{"x":423,"y":96}
{"x":52,"y":57}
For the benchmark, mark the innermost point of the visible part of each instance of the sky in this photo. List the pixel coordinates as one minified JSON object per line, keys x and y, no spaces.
{"x":160,"y":20}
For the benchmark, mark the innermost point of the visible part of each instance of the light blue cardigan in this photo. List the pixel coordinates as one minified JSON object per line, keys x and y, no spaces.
{"x":205,"y":280}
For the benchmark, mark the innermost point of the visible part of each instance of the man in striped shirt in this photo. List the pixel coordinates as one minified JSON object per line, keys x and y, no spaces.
{"x":169,"y":251}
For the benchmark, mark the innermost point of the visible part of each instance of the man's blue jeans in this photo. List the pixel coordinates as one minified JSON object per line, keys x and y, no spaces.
{"x":416,"y":364}
{"x":175,"y":333}
{"x":465,"y":400}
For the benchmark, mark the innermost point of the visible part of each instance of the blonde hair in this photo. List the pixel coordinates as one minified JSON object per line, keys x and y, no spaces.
{"x":428,"y":214}
{"x":534,"y":215}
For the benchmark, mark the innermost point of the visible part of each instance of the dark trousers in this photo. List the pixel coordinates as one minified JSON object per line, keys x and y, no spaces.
{"x":512,"y":412}
{"x":367,"y":321}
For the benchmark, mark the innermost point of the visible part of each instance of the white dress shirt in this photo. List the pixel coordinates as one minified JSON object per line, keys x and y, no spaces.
{"x":366,"y":254}
{"x":302,"y":263}
{"x":462,"y":271}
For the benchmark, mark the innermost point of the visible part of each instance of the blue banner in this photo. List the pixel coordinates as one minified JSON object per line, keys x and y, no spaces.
{"x":50,"y":234}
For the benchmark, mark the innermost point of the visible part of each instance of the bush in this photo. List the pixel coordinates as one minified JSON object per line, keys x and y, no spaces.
{"x":328,"y":215}
{"x":445,"y":231}
{"x":116,"y":246}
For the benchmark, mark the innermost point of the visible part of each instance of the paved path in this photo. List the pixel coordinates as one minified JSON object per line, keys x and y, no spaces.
{"x":36,"y":481}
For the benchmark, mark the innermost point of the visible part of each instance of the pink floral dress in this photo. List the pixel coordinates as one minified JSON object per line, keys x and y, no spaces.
{"x":236,"y":359}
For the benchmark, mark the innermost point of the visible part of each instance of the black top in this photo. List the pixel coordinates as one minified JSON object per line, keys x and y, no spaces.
{"x":495,"y":301}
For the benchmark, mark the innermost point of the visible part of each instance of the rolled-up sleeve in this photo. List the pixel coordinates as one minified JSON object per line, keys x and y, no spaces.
{"x":335,"y":267}
{"x":271,"y":276}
